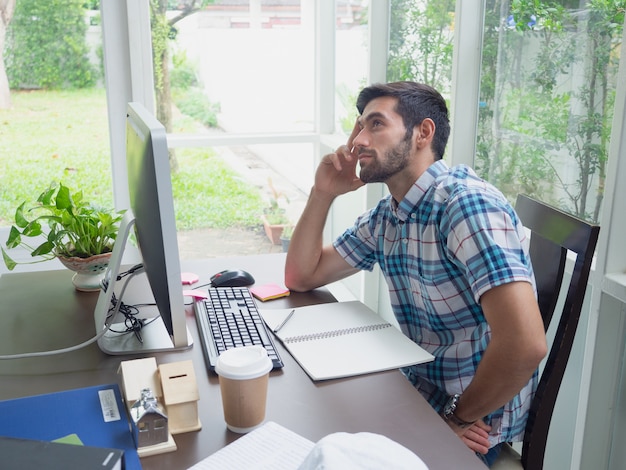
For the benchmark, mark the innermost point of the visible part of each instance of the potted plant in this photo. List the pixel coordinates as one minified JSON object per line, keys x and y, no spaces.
{"x":285,"y":237}
{"x":64,"y":225}
{"x":274,"y":216}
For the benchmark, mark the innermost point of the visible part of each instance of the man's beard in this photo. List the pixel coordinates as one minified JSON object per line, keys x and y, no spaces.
{"x":396,"y":160}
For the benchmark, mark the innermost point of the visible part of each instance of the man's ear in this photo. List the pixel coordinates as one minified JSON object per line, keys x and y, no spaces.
{"x":423,"y":133}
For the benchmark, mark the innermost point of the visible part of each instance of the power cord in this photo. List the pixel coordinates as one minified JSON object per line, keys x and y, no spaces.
{"x":133,"y":324}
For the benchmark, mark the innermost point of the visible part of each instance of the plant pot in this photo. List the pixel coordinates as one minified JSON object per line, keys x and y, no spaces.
{"x":273,"y":231}
{"x":88,"y":272}
{"x":285,"y":243}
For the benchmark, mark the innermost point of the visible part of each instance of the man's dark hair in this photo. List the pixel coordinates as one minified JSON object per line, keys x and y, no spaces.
{"x":416,"y":102}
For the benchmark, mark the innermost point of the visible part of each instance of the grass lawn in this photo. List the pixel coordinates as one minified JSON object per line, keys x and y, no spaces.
{"x":63,"y":136}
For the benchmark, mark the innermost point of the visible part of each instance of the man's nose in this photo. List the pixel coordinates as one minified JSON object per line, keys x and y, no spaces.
{"x":361,"y":139}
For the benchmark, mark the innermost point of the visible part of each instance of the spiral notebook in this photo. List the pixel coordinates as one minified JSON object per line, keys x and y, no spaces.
{"x":343,"y":339}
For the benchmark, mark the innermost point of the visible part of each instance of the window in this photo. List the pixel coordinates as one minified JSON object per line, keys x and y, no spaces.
{"x":546,"y":100}
{"x":251,"y":88}
{"x":55,"y":124}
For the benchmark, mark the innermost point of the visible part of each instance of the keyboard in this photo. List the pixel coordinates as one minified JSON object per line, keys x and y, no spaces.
{"x":229,"y":318}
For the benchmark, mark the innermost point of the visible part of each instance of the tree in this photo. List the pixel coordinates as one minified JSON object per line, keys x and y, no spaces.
{"x":421,"y":42}
{"x":164,"y":30}
{"x":7,"y":7}
{"x":547,"y":95}
{"x":46,"y":46}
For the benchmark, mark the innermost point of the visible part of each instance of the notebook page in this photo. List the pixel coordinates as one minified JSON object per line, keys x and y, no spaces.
{"x":321,"y":318}
{"x":343,"y":339}
{"x":269,"y":447}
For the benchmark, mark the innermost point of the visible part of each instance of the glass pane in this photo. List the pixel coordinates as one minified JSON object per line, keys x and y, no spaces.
{"x":222,"y":196}
{"x":246,"y":67}
{"x":421,"y":40}
{"x":546,"y":106}
{"x":236,"y":68}
{"x":55,"y":127}
{"x":351,"y":60}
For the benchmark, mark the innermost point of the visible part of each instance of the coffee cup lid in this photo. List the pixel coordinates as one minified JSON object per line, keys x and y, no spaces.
{"x":247,"y":362}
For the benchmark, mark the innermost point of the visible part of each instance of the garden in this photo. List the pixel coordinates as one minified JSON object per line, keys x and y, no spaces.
{"x":56,"y":125}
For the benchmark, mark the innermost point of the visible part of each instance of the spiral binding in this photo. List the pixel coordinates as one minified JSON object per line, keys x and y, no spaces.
{"x":335,"y":333}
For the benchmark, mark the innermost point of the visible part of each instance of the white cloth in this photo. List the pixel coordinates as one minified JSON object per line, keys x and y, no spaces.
{"x":360,"y":451}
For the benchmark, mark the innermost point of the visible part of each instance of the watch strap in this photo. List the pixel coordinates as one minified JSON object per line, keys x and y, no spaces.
{"x":459,"y":422}
{"x":450,"y":408}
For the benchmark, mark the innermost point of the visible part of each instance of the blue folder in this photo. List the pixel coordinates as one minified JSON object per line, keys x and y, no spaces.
{"x":97,"y":415}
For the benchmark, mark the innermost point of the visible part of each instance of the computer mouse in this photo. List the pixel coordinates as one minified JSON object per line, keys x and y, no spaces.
{"x":232,"y":278}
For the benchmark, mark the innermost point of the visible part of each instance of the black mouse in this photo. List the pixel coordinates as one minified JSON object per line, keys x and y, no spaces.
{"x":232,"y":278}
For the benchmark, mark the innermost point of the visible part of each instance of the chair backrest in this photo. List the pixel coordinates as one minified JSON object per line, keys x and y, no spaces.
{"x":553,"y":233}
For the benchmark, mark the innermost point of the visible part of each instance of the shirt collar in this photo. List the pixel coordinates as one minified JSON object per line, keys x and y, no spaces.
{"x":416,"y":193}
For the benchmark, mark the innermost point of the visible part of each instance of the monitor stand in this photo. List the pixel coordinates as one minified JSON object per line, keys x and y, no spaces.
{"x":154,"y":335}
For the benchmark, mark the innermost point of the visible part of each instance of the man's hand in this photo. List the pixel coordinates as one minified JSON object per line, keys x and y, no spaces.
{"x":309,"y":263}
{"x":336,"y":173}
{"x":476,"y":437}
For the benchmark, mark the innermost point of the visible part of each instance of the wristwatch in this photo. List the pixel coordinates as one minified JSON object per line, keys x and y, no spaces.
{"x":448,"y":412}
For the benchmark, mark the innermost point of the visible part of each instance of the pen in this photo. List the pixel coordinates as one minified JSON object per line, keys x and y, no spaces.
{"x":284,"y":321}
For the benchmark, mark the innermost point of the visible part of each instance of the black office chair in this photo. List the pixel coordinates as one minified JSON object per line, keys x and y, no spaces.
{"x":553,"y":233}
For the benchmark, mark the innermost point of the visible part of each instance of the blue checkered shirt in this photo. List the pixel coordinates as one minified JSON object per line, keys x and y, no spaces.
{"x":452,"y":238}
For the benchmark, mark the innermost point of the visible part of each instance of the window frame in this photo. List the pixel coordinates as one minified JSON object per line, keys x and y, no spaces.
{"x":128,"y":77}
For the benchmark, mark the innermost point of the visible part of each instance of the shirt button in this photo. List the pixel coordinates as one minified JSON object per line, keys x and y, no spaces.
{"x":405,"y":241}
{"x":413,"y":215}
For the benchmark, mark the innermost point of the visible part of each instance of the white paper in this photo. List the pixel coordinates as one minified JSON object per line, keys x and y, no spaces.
{"x":342,"y":339}
{"x":269,"y":447}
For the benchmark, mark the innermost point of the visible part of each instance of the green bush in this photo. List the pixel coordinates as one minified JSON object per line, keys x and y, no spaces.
{"x":183,"y":75}
{"x":194,"y":103}
{"x":46,"y":46}
{"x":91,"y":4}
{"x":187,"y":93}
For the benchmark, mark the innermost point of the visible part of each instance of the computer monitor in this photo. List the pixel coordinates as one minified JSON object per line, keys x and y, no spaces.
{"x":151,"y":219}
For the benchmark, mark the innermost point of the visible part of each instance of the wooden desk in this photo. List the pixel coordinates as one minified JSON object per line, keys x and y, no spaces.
{"x":42,"y":311}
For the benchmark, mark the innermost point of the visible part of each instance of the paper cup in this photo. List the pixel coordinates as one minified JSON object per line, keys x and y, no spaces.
{"x":243,"y":375}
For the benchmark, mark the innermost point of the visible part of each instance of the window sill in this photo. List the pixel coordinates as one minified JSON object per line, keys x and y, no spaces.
{"x":614,"y":284}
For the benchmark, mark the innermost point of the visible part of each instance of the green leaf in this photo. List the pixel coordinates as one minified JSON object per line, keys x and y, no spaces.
{"x":43,"y":249}
{"x":15,"y":238}
{"x":33,"y":229}
{"x":10,"y":264}
{"x":20,"y":220}
{"x":63,"y":198}
{"x":45,"y":197}
{"x":78,"y":199}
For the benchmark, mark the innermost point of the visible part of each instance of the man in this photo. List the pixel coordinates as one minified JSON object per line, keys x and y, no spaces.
{"x":452,"y":251}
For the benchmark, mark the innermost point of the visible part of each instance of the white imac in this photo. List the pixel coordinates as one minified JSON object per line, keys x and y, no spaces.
{"x":151,"y":219}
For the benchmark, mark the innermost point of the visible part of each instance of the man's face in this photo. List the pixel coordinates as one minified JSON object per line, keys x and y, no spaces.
{"x":382,"y":147}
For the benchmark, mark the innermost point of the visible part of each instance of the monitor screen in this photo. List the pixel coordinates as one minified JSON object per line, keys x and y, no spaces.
{"x":151,"y":219}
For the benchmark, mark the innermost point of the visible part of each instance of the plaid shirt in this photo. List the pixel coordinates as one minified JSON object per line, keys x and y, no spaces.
{"x":452,"y":238}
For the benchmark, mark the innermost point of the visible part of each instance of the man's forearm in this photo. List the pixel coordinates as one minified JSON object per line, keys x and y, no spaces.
{"x":499,"y":377}
{"x":515,"y":350}
{"x":306,"y":245}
